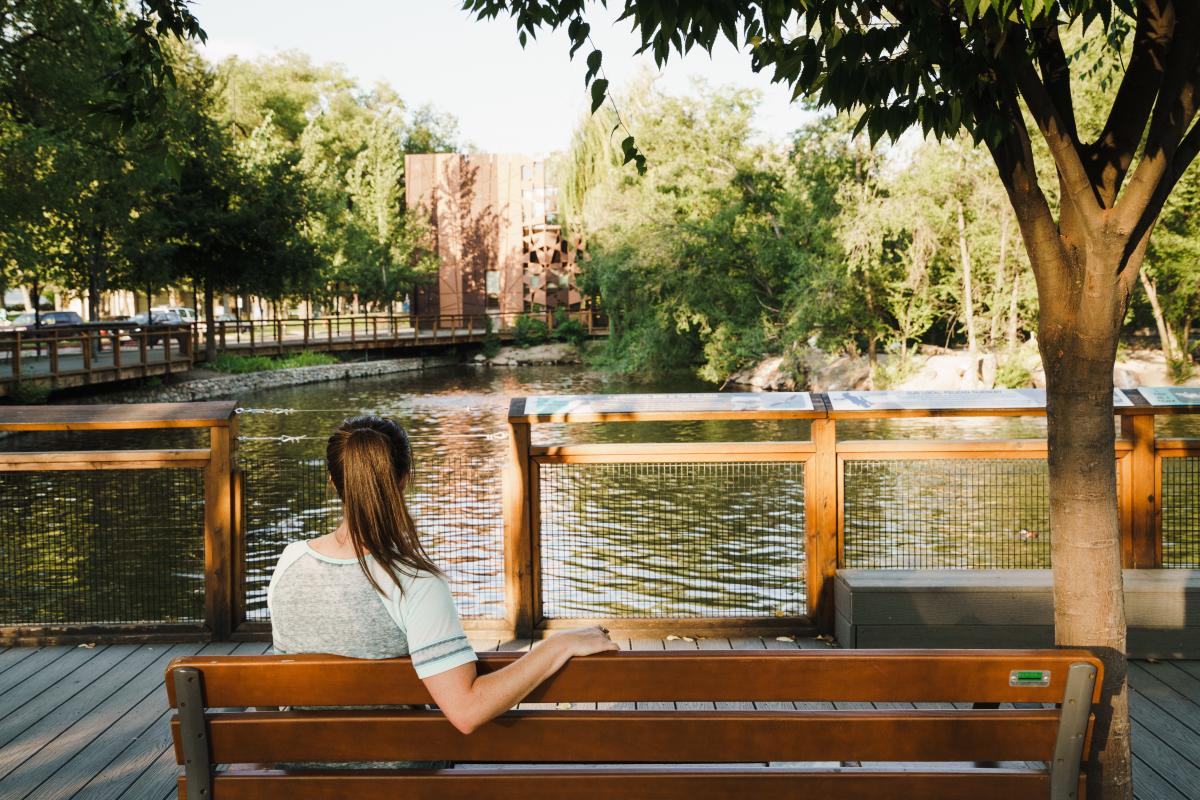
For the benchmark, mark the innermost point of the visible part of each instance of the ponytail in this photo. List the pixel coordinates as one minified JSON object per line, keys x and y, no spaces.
{"x":370,"y":461}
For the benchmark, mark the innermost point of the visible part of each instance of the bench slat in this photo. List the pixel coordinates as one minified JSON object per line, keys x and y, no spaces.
{"x":911,"y":676}
{"x":629,"y":737}
{"x":602,"y":783}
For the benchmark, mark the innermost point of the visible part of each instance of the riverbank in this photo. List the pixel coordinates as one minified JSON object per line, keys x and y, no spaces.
{"x":936,"y":369}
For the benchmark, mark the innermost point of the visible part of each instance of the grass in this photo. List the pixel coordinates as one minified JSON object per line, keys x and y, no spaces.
{"x":239,"y":365}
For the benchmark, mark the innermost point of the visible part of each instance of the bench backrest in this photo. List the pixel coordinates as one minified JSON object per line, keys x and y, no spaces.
{"x":1065,"y":683}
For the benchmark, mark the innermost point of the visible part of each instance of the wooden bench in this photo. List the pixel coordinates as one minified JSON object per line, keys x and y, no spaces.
{"x":694,"y":754}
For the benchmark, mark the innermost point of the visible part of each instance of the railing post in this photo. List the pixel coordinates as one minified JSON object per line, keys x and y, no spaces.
{"x":53,"y":355}
{"x":16,"y":359}
{"x":1145,"y":546}
{"x":218,"y":530}
{"x":821,"y":501}
{"x":117,"y":350}
{"x":519,"y":600}
{"x":306,"y":333}
{"x":85,"y":345}
{"x":251,"y":337}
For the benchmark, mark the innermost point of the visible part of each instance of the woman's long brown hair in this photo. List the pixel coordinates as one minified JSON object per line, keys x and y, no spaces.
{"x":370,"y":461}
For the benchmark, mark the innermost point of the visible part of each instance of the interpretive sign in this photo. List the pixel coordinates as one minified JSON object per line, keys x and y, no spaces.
{"x":963,"y":400}
{"x":1171,"y":395}
{"x":685,"y":403}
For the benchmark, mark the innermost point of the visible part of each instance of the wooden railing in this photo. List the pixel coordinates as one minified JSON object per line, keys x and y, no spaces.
{"x":1139,"y":456}
{"x":219,"y":525}
{"x":110,"y":351}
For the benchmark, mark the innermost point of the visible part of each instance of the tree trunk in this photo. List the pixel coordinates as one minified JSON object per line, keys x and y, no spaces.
{"x":1078,"y":341}
{"x":1012,"y":310}
{"x":968,"y":300}
{"x":1001,"y":275}
{"x":210,"y":327}
{"x":1166,"y":336}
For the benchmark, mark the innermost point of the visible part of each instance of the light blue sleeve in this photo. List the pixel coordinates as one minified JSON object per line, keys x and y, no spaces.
{"x":436,"y":641}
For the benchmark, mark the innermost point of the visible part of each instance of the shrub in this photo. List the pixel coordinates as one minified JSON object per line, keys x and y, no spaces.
{"x":529,"y":331}
{"x":567,"y":329}
{"x":491,"y":342}
{"x":29,"y":394}
{"x":239,"y":365}
{"x":1179,"y":369}
{"x":1012,"y":373}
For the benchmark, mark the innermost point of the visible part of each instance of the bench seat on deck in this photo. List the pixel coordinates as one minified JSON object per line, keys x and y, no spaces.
{"x":712,"y":753}
{"x":1005,"y":608}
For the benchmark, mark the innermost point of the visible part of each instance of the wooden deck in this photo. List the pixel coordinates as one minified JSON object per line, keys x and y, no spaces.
{"x":91,"y":722}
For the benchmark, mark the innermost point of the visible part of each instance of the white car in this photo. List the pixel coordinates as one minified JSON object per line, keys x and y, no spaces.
{"x":186,"y":314}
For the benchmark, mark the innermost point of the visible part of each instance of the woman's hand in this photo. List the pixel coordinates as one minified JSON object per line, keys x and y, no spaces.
{"x":584,"y":641}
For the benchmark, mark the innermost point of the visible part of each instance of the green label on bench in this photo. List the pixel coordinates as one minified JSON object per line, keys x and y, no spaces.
{"x":1029,"y":677}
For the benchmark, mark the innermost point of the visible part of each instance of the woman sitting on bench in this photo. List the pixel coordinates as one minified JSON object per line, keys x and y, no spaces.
{"x":368,"y":589}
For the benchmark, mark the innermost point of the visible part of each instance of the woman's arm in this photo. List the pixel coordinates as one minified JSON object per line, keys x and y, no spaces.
{"x":469,"y":699}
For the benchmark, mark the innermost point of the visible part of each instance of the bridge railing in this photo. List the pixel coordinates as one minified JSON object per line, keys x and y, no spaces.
{"x":277,"y":335}
{"x":93,"y":353}
{"x":121,"y":350}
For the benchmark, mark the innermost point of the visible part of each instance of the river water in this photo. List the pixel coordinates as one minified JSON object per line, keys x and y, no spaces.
{"x":617,"y":540}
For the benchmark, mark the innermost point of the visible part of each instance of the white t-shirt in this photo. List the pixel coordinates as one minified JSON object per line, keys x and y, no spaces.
{"x":321,"y":604}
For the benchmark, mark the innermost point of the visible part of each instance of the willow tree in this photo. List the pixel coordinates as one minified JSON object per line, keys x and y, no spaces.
{"x":980,"y":65}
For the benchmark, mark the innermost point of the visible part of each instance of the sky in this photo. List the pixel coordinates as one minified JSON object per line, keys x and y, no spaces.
{"x":507,"y":100}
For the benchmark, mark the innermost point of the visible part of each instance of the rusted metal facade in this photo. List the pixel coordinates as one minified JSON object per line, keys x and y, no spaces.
{"x":498,"y":237}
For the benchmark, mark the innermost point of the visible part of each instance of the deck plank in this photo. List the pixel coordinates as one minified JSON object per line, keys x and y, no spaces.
{"x":1150,"y":685}
{"x":42,"y":658}
{"x":1165,"y":760}
{"x":107,"y":765}
{"x":43,"y":753}
{"x":19,"y":695}
{"x":1149,"y":785}
{"x":91,"y":677}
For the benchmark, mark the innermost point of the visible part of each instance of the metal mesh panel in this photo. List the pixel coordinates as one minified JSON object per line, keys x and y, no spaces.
{"x":672,"y":540}
{"x":80,"y":548}
{"x":455,"y":502}
{"x":1181,"y":512}
{"x":947,"y":514}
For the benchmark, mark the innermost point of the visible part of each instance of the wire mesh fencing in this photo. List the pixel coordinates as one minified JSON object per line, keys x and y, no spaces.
{"x":947,"y":514}
{"x":672,"y":540}
{"x":102,"y":547}
{"x":1181,"y":512}
{"x":455,"y":501}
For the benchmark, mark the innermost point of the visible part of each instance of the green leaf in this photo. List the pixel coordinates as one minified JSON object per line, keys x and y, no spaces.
{"x":599,"y":90}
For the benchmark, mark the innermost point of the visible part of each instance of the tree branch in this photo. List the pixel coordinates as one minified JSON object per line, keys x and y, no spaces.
{"x":1174,"y":110}
{"x":1185,"y":154}
{"x":1077,"y":184}
{"x":1111,"y":154}
{"x":1056,"y":73}
{"x":1015,"y":163}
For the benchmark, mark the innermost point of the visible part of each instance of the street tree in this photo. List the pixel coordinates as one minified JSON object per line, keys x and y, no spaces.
{"x":981,"y":65}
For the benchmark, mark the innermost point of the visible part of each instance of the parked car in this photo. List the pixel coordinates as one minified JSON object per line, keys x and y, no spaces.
{"x":149,"y":321}
{"x":47,"y":319}
{"x":186,"y":313}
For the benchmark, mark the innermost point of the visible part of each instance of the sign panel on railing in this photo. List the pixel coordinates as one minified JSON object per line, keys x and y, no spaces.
{"x":684,"y":403}
{"x":1001,"y":399}
{"x":1171,"y":395}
